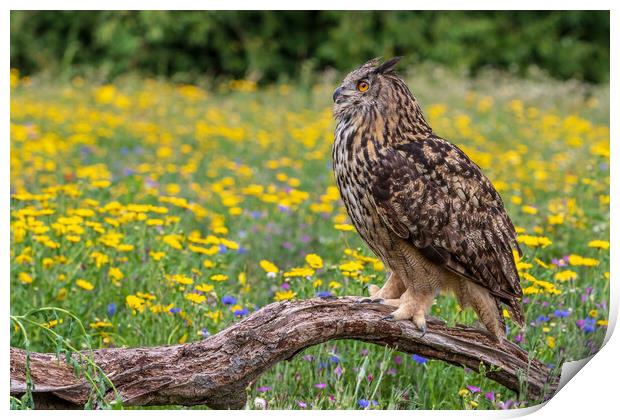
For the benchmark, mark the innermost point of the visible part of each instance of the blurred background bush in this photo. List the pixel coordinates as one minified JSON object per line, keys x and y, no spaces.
{"x":280,"y":45}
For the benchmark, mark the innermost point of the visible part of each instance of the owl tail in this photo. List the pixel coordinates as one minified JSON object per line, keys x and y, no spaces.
{"x":516,"y":311}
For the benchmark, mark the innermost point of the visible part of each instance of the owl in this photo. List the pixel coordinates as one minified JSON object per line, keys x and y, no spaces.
{"x":421,"y":204}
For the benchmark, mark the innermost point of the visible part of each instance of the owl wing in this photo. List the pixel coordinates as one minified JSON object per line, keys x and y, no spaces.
{"x":431,"y":194}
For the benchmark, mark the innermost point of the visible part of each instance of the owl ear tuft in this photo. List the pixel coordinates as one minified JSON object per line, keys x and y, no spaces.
{"x":388,"y":66}
{"x":373,"y":62}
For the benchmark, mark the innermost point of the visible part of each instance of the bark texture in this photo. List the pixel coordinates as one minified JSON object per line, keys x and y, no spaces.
{"x":217,"y":370}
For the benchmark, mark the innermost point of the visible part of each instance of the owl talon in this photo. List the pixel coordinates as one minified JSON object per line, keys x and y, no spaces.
{"x":389,"y":317}
{"x":364,"y":300}
{"x":423,"y":329}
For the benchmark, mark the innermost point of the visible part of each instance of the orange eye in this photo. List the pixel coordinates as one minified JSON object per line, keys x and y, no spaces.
{"x":362,"y":86}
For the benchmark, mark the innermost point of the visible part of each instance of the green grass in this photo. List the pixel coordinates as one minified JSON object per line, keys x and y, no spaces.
{"x":255,"y":167}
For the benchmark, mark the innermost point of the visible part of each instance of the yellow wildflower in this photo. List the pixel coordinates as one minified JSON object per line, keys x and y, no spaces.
{"x":157,"y":255}
{"x":269,"y":267}
{"x":182,"y":279}
{"x":345,"y":227}
{"x":115,"y":274}
{"x":314,"y":261}
{"x":135,"y":303}
{"x":205,"y":288}
{"x":284,"y":295}
{"x":195,"y":297}
{"x":578,"y":260}
{"x":84,"y":284}
{"x":219,"y":277}
{"x":598,"y":244}
{"x":565,"y":275}
{"x":534,"y":241}
{"x":299,"y":272}
{"x":24,"y":278}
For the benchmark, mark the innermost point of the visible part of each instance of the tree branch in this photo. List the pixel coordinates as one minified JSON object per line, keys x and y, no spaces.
{"x":217,"y":370}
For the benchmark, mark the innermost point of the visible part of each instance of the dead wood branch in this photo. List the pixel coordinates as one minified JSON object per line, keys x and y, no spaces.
{"x":217,"y":370}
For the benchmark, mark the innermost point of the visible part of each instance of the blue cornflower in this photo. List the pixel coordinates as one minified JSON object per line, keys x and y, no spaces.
{"x":241,"y":312}
{"x":559,"y":313}
{"x":334,"y":359}
{"x":363,"y":403}
{"x":111,"y":309}
{"x":323,"y":294}
{"x":175,"y":310}
{"x":229,"y":300}
{"x":419,"y":359}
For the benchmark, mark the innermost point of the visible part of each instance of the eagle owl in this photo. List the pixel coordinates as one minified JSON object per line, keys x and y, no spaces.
{"x":421,"y":204}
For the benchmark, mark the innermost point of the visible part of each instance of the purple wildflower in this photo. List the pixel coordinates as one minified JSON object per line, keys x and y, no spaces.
{"x":338,"y":371}
{"x":490,"y":396}
{"x":397,"y":359}
{"x":322,"y":385}
{"x":263,"y":389}
{"x":308,"y":357}
{"x":302,"y":404}
{"x":285,"y":286}
{"x":505,"y":405}
{"x":473,"y":389}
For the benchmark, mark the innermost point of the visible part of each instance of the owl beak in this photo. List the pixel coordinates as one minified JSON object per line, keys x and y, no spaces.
{"x":337,"y":93}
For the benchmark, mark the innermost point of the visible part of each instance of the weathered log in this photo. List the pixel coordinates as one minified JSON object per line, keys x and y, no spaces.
{"x":217,"y":370}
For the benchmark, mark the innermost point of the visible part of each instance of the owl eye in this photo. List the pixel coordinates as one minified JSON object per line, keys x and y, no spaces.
{"x":362,"y":86}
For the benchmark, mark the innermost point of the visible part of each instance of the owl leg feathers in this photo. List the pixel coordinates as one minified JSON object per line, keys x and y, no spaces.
{"x":392,"y":289}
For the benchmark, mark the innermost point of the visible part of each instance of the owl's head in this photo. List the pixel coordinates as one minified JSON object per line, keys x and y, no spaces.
{"x":371,"y":85}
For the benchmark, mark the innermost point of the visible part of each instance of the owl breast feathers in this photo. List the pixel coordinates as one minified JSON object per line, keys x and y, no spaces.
{"x":421,"y":204}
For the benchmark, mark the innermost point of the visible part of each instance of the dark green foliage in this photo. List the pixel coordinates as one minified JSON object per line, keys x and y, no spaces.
{"x":272,"y":45}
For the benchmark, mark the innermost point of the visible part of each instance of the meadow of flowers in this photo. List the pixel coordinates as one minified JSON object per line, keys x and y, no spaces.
{"x":147,"y":213}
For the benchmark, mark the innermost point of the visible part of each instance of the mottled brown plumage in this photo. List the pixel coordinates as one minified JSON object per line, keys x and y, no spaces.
{"x":421,"y":204}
